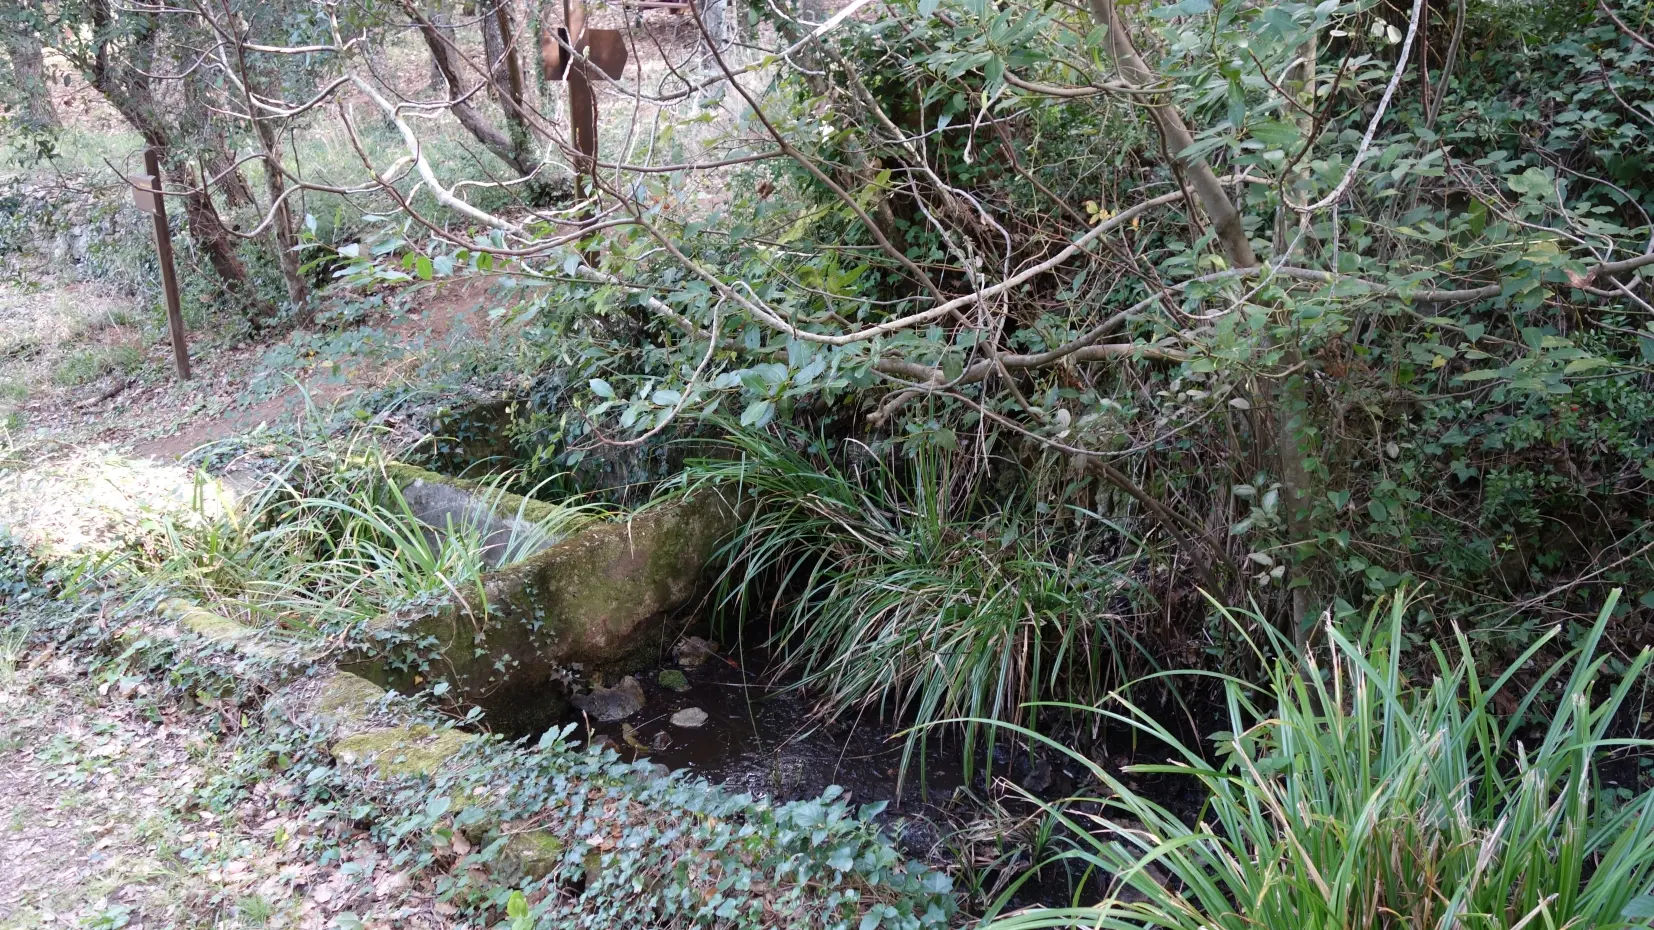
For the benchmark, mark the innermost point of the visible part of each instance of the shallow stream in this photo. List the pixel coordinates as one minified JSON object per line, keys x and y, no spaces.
{"x":763,"y":739}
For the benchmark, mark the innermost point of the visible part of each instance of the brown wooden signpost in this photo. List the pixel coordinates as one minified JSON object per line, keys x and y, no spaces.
{"x":146,"y":193}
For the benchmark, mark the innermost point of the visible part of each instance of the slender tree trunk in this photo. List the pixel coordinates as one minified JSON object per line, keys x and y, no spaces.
{"x":513,"y":149}
{"x":28,"y":64}
{"x":493,"y":48}
{"x":1175,"y":133}
{"x":714,"y":16}
{"x":1295,"y":435}
{"x":198,"y":121}
{"x":443,"y":20}
{"x":282,"y":229}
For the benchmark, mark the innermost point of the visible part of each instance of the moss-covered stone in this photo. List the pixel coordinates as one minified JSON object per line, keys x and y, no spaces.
{"x":673,"y":680}
{"x":591,"y":599}
{"x":504,"y":503}
{"x":203,"y":622}
{"x":404,"y":750}
{"x":193,"y":618}
{"x":533,"y":854}
{"x":346,"y":700}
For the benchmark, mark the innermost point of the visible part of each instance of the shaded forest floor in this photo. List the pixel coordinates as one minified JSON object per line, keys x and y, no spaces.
{"x":114,"y":813}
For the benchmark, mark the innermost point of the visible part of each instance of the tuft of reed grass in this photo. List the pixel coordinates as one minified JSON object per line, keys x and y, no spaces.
{"x":883,"y":586}
{"x":13,"y":638}
{"x":342,"y":547}
{"x":1345,"y":795}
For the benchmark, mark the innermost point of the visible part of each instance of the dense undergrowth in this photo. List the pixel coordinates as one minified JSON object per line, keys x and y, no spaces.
{"x":1406,"y":345}
{"x":903,"y":587}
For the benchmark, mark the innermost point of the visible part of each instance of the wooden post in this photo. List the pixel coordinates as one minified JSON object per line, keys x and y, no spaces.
{"x":146,"y":192}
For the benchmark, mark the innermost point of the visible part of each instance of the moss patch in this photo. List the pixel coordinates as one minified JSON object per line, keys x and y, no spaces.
{"x":347,"y":698}
{"x":208,"y":624}
{"x":404,"y":750}
{"x":535,"y":853}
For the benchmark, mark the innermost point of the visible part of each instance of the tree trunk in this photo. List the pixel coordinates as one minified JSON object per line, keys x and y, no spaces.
{"x":28,"y":66}
{"x":714,"y":16}
{"x":443,"y":21}
{"x":514,"y":149}
{"x":281,"y":226}
{"x":214,"y":240}
{"x":493,"y":49}
{"x":125,"y":83}
{"x":1175,"y":132}
{"x":1296,"y":439}
{"x":198,"y":121}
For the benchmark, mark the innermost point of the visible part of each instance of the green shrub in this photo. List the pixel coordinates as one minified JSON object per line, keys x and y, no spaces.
{"x":1347,"y":796}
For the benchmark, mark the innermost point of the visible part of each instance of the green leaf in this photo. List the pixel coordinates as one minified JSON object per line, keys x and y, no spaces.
{"x":1486,"y":374}
{"x":1377,"y":510}
{"x":1276,"y":134}
{"x":1642,"y":906}
{"x":758,"y":413}
{"x":842,"y":859}
{"x":601,"y":388}
{"x":1584,"y":364}
{"x":422,"y":268}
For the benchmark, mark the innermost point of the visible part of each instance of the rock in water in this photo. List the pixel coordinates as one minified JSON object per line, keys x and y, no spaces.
{"x":610,"y":704}
{"x":693,"y":651}
{"x":690,"y":717}
{"x":673,"y":680}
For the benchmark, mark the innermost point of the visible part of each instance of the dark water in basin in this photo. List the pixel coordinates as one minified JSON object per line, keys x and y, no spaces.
{"x":763,"y":739}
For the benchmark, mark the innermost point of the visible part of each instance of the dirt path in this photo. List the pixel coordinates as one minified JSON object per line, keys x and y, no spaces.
{"x":113,"y":816}
{"x":88,"y":461}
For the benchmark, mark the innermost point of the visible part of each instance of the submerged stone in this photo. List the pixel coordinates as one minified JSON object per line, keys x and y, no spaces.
{"x":689,"y":717}
{"x":609,"y":704}
{"x":673,"y":680}
{"x":693,"y":651}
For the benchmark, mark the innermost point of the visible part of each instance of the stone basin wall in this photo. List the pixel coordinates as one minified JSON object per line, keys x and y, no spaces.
{"x":594,"y":600}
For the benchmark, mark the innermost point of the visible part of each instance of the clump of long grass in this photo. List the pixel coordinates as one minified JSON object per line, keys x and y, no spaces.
{"x":344,"y":545}
{"x":13,"y":638}
{"x":885,"y":586}
{"x":1346,"y":796}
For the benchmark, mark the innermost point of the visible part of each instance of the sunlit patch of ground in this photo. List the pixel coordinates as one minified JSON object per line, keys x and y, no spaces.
{"x":97,"y":499}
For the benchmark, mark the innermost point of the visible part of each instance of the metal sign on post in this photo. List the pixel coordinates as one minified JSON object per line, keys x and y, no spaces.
{"x":146,"y":193}
{"x":578,"y":53}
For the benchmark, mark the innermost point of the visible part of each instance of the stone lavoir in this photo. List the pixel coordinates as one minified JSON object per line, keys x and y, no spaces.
{"x":595,"y":603}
